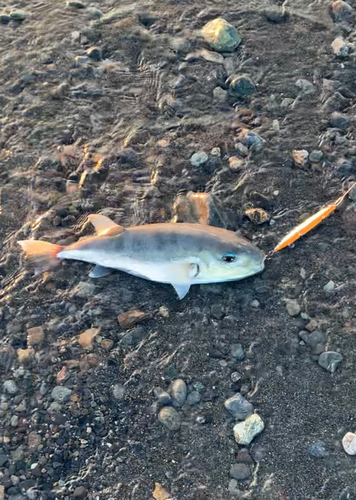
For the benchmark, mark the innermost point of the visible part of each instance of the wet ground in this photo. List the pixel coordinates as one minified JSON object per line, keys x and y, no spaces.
{"x":115,"y":132}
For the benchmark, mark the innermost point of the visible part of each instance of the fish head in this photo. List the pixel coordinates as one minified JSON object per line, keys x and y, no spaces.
{"x":231,"y":259}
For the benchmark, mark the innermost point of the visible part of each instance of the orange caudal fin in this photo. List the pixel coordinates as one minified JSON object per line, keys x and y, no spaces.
{"x":41,"y":254}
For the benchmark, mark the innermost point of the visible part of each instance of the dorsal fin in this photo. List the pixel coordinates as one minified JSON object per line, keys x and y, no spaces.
{"x":104,"y":225}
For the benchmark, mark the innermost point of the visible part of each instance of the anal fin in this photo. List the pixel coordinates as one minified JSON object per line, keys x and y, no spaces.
{"x":99,"y":272}
{"x":181,"y":289}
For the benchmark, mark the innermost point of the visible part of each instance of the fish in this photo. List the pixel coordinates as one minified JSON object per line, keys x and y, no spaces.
{"x":181,"y":254}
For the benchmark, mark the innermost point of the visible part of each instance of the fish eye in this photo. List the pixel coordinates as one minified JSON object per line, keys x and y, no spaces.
{"x":229,"y":257}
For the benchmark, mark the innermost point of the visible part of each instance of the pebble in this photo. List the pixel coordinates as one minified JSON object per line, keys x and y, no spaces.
{"x":3,"y":458}
{"x":17,"y":15}
{"x":75,"y":4}
{"x":170,"y":418}
{"x":237,"y":351}
{"x":330,"y":360}
{"x":257,"y":215}
{"x":5,"y":19}
{"x":236,"y":163}
{"x":35,"y":335}
{"x":80,"y":61}
{"x":305,"y":86}
{"x":341,"y":48}
{"x":86,"y":338}
{"x":14,"y":421}
{"x":339,"y":120}
{"x":220,"y":95}
{"x":349,"y":443}
{"x":240,"y":472}
{"x":221,"y":35}
{"x":315,"y":340}
{"x":94,"y":53}
{"x":133,"y":338}
{"x":10,"y":387}
{"x":251,"y":140}
{"x":193,"y":398}
{"x":60,"y":393}
{"x":277,"y":16}
{"x":119,"y":392}
{"x":199,"y":159}
{"x":239,"y":407}
{"x":160,"y":493}
{"x":244,"y":457}
{"x":293,"y":307}
{"x":80,"y":492}
{"x":178,"y":392}
{"x":300,"y":157}
{"x":316,"y":156}
{"x":241,"y":86}
{"x":93,"y":13}
{"x":340,"y":11}
{"x":318,"y":450}
{"x":246,"y":431}
{"x":329,"y":287}
{"x":205,"y":54}
{"x":163,"y":398}
{"x":131,"y":318}
{"x":216,"y":152}
{"x":255,"y":304}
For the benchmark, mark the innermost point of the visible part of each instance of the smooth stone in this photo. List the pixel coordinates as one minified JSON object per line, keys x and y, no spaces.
{"x":329,"y":287}
{"x":170,"y":418}
{"x":300,"y":157}
{"x":318,"y":450}
{"x":330,"y":360}
{"x":277,"y":16}
{"x":199,"y":159}
{"x":221,"y":35}
{"x":60,"y":393}
{"x":75,"y":4}
{"x":178,"y":392}
{"x":80,"y":492}
{"x":316,"y":156}
{"x":246,"y":431}
{"x":163,"y":398}
{"x":293,"y":307}
{"x":339,"y":120}
{"x":220,"y":95}
{"x":241,"y":86}
{"x":93,"y":13}
{"x":240,"y":472}
{"x":237,"y":351}
{"x":119,"y":392}
{"x":315,"y":340}
{"x":239,"y":407}
{"x":94,"y":53}
{"x":193,"y":398}
{"x":340,"y":11}
{"x":14,"y":421}
{"x":349,"y":443}
{"x":305,"y":86}
{"x":10,"y":387}
{"x":5,"y":19}
{"x":17,"y":15}
{"x":341,"y":48}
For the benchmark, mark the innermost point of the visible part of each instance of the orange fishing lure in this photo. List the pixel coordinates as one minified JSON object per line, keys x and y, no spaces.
{"x":310,"y":223}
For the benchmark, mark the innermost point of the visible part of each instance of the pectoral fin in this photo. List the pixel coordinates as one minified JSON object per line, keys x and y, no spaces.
{"x":99,"y":272}
{"x":104,"y":225}
{"x":181,"y":290}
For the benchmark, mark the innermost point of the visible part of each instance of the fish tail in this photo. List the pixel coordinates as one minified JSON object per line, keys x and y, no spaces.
{"x":41,"y":254}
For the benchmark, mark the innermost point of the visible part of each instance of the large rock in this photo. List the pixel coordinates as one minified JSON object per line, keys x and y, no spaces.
{"x":221,"y":35}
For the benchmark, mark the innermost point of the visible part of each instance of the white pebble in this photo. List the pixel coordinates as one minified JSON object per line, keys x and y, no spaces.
{"x":349,"y":443}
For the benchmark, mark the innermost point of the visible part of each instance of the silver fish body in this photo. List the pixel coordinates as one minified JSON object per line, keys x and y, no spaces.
{"x":176,"y":253}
